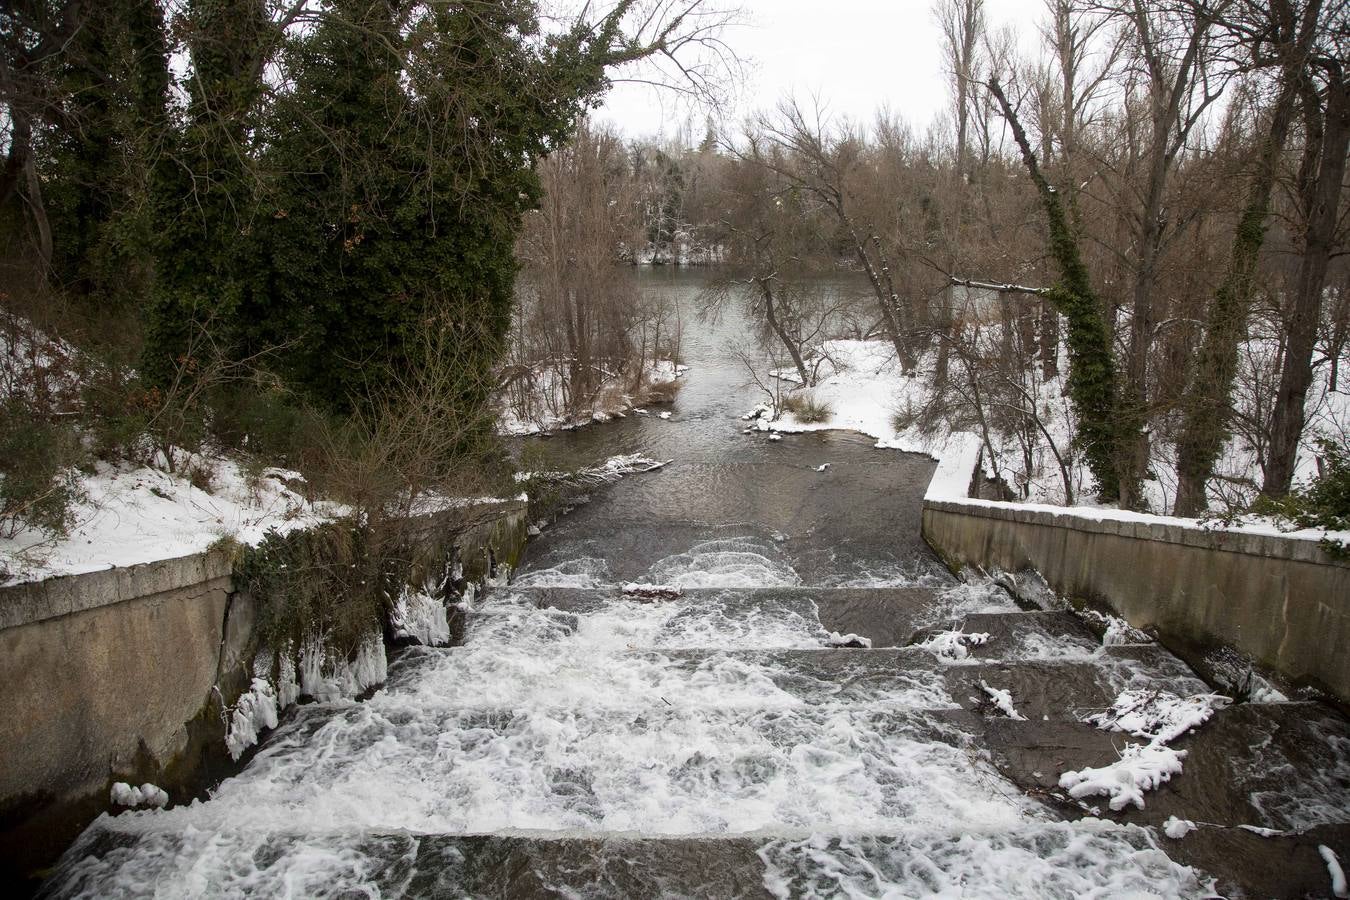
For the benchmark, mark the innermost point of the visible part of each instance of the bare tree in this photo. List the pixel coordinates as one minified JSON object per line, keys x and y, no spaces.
{"x":1320,"y":179}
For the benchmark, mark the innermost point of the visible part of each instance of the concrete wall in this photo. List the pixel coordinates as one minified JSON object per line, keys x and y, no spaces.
{"x":123,"y":675}
{"x":1281,"y":601}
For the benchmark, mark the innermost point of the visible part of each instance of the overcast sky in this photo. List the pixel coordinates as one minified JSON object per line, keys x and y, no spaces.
{"x":855,"y":54}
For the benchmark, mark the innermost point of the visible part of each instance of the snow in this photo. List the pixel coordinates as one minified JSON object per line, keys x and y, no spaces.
{"x":1140,"y":768}
{"x":537,"y":405}
{"x":1338,"y":883}
{"x":147,"y":794}
{"x":835,"y":639}
{"x":1116,"y":631}
{"x":139,"y":514}
{"x":1002,"y":700}
{"x":607,"y":472}
{"x":866,"y":392}
{"x":1157,"y":716}
{"x":954,"y":645}
{"x":1176,"y":828}
{"x":1263,"y":832}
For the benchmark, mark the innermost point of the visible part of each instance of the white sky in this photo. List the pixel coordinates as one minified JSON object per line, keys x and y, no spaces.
{"x":856,"y":55}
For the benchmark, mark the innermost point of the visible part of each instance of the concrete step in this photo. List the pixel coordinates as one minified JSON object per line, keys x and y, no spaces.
{"x":888,"y":617}
{"x":1048,"y":860}
{"x":1284,"y":766}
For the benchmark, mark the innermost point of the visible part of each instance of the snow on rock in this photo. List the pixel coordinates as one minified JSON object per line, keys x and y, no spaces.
{"x":1115,"y":630}
{"x":1176,"y":828}
{"x":255,"y":711}
{"x":609,"y":471}
{"x":954,"y":644}
{"x":1002,"y":700}
{"x":854,"y":641}
{"x":1263,"y":832}
{"x":645,"y":591}
{"x":1157,"y":716}
{"x":1140,"y":768}
{"x":1338,"y":882}
{"x":147,"y":794}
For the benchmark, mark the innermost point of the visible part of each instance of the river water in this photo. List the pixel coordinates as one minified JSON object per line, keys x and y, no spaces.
{"x":584,"y":743}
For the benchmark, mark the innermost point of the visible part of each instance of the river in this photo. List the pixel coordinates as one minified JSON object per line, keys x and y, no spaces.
{"x":586,"y":743}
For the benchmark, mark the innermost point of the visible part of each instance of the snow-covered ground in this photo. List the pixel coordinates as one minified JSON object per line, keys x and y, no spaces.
{"x":861,"y":384}
{"x":537,"y":404}
{"x":139,"y":514}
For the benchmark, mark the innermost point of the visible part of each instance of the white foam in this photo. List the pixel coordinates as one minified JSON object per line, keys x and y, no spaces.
{"x":1089,"y":858}
{"x":726,"y":562}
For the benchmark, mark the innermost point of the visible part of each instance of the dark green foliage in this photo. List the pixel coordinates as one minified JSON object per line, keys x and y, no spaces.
{"x":314,"y":205}
{"x":268,"y":423}
{"x":323,"y":583}
{"x":1324,"y":503}
{"x":114,"y":78}
{"x":36,"y":456}
{"x":203,"y":185}
{"x":378,"y":196}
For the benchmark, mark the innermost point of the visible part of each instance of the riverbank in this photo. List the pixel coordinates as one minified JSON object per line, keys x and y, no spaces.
{"x":863,"y":389}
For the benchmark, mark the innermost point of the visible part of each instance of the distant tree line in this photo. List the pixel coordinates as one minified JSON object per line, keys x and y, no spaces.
{"x":1149,"y":212}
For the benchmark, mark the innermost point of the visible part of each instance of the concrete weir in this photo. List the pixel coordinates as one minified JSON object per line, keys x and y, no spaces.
{"x":1282,"y":602}
{"x":127,"y":674}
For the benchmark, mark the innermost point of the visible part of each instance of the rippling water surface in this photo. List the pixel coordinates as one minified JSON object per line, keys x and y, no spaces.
{"x":705,"y":746}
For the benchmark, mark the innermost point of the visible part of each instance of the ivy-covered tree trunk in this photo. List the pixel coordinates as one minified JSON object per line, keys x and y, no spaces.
{"x":1321,"y":211}
{"x":1207,"y":405}
{"x":1092,"y":370}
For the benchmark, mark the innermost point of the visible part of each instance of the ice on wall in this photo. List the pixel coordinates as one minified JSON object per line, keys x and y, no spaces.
{"x":255,"y":711}
{"x":419,"y":615}
{"x":327,"y":679}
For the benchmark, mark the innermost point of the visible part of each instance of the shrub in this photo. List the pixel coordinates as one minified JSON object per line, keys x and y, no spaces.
{"x":664,"y":391}
{"x":37,"y":459}
{"x":1323,"y":503}
{"x":807,"y":409}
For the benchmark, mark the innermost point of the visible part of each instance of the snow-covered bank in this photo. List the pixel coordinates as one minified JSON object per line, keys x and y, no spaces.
{"x":129,"y":515}
{"x":863,"y":389}
{"x":536,"y":402}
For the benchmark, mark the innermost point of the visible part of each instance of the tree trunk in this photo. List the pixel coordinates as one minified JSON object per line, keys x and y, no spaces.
{"x":1296,"y":373}
{"x":1092,"y":371}
{"x":1049,"y":340}
{"x":1207,"y":404}
{"x":771,"y":315}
